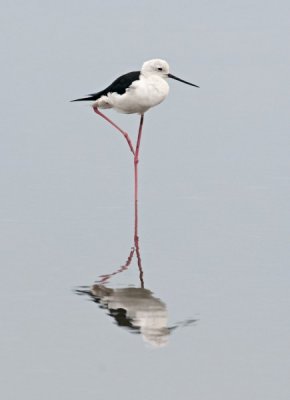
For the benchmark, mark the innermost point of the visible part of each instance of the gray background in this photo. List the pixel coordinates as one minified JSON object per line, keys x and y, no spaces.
{"x":214,"y":200}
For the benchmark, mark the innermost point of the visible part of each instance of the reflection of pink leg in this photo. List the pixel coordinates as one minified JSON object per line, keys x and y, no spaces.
{"x":139,"y":262}
{"x":105,"y":278}
{"x":126,"y":136}
{"x":136,"y":160}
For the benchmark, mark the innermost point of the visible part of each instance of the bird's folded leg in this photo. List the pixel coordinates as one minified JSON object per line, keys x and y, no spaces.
{"x":125,"y":134}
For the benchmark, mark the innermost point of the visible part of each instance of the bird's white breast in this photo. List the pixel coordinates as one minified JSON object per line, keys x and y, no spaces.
{"x":154,"y":89}
{"x":143,"y":94}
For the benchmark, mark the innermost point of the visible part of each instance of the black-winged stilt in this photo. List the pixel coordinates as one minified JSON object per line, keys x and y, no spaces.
{"x":135,"y":93}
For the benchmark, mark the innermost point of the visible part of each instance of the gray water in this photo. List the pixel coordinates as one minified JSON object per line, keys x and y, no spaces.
{"x":212,"y":321}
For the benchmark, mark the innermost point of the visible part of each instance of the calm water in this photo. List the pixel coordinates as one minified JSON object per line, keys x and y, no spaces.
{"x":205,"y":314}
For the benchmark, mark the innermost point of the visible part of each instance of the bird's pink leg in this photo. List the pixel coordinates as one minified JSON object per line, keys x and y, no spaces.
{"x":136,"y":161}
{"x":125,"y":134}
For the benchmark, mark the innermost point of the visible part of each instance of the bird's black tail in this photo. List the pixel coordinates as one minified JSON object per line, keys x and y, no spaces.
{"x":83,"y":99}
{"x":90,"y":97}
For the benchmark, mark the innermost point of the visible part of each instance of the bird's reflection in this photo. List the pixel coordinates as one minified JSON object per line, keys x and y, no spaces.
{"x":134,"y":308}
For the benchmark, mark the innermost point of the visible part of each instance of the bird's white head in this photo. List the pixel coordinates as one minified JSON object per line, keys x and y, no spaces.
{"x":160,"y":68}
{"x":155,"y":67}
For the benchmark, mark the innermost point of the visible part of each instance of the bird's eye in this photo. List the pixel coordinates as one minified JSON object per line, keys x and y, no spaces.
{"x":159,"y":69}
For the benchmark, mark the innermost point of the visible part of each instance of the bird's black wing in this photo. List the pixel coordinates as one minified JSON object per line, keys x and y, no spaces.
{"x":120,"y":85}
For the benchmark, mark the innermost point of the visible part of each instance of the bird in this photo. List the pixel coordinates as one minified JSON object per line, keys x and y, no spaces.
{"x":137,"y":91}
{"x":134,"y":93}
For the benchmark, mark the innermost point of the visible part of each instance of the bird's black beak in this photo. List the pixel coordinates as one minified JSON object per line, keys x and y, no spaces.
{"x":181,"y":80}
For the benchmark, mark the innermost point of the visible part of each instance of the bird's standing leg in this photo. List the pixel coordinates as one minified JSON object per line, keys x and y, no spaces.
{"x":136,"y":161}
{"x":125,"y":134}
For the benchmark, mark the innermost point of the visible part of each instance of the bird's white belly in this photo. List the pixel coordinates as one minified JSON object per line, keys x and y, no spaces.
{"x":142,"y":95}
